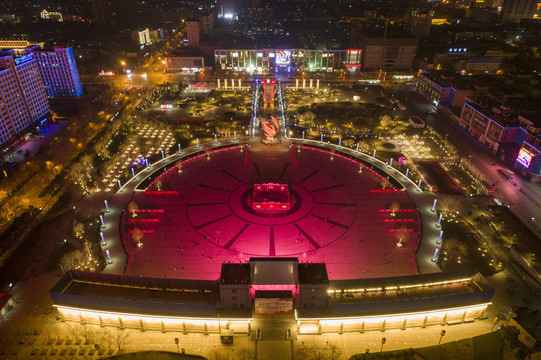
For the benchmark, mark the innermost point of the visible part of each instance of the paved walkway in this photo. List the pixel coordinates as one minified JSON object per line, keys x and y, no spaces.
{"x":423,"y":200}
{"x":120,"y":200}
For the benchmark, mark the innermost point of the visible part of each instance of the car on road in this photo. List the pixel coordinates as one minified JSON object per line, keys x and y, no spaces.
{"x":506,"y":174}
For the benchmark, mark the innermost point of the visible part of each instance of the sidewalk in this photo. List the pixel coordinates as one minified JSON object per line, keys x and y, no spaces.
{"x":423,"y":200}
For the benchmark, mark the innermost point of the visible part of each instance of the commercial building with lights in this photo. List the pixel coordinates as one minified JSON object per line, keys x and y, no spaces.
{"x":287,"y":60}
{"x":23,"y":100}
{"x":59,"y":71}
{"x":18,"y":46}
{"x":272,"y":287}
{"x":504,"y":137}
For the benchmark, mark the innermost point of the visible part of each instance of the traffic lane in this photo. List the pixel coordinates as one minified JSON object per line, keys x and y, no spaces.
{"x":482,"y":159}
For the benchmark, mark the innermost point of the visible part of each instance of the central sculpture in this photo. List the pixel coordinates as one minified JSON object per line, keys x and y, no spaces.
{"x":271,"y":196}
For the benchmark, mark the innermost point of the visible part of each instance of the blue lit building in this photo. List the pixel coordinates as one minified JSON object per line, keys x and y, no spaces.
{"x":23,"y":100}
{"x":59,"y":71}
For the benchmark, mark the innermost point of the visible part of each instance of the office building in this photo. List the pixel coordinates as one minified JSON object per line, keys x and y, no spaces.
{"x":23,"y":100}
{"x":59,"y":71}
{"x":101,"y":11}
{"x":419,"y":23}
{"x":382,"y":50}
{"x":193,"y":31}
{"x":516,"y":10}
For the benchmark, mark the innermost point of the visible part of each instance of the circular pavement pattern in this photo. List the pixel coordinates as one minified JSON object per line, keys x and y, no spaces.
{"x":333,"y":218}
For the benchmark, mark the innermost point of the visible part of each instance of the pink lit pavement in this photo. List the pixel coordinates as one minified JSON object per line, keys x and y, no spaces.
{"x":333,"y":218}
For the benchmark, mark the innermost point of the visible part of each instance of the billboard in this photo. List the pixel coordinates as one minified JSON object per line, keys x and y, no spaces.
{"x":274,"y":306}
{"x":524,"y":157}
{"x":283,"y":57}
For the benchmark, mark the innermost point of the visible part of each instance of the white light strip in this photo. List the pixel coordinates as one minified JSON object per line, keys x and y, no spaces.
{"x":479,"y":306}
{"x":199,"y":319}
{"x":400,"y":287}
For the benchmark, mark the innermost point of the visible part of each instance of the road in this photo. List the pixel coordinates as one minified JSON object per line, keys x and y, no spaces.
{"x":481,"y":157}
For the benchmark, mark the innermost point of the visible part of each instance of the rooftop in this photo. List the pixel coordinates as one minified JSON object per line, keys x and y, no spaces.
{"x":310,"y":273}
{"x":132,"y":288}
{"x":233,"y":273}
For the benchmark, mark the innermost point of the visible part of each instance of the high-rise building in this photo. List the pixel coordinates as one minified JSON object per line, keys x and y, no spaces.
{"x":384,"y":50}
{"x":101,"y":9}
{"x":17,"y":46}
{"x":23,"y":100}
{"x":207,"y":21}
{"x":419,"y":23}
{"x":193,"y":31}
{"x":516,"y":10}
{"x":59,"y":71}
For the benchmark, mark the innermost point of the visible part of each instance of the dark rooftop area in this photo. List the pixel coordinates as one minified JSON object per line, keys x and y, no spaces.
{"x":313,"y":273}
{"x":233,"y":273}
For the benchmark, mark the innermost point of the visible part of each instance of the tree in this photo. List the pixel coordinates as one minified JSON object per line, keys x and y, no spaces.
{"x":178,"y":165}
{"x":78,"y":229}
{"x":385,"y":120}
{"x":142,"y":144}
{"x":328,"y":352}
{"x":79,"y":176}
{"x":363,"y":146}
{"x":453,"y":248}
{"x":309,"y":117}
{"x":137,"y":235}
{"x":394,"y":208}
{"x":75,"y":260}
{"x":87,"y":333}
{"x":88,"y":162}
{"x":118,"y":337}
{"x":448,"y":204}
{"x":402,"y":234}
{"x":348,"y":142}
{"x":384,"y":183}
{"x":133,"y":208}
{"x":102,"y":149}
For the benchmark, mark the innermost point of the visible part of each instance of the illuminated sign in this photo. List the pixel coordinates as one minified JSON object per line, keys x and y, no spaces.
{"x":105,"y":73}
{"x":23,"y":59}
{"x":283,"y":57}
{"x":273,"y":306}
{"x":524,"y":157}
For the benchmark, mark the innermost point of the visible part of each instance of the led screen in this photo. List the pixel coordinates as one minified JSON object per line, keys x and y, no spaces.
{"x":283,"y":57}
{"x":524,"y":157}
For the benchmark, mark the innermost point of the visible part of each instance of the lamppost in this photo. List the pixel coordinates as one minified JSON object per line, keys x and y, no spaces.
{"x":496,"y":320}
{"x":442,"y":334}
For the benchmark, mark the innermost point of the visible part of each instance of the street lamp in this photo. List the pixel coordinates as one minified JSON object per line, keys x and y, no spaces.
{"x":442,"y":334}
{"x":383,"y":340}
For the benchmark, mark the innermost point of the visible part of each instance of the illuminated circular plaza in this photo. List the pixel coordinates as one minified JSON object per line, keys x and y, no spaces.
{"x":195,"y":220}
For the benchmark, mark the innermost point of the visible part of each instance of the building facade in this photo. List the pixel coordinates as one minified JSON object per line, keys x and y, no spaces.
{"x":381,"y":51}
{"x":287,"y":60}
{"x":59,"y":71}
{"x":18,"y":46}
{"x":419,"y":23}
{"x":184,"y":63}
{"x":193,"y":32}
{"x":272,"y":287}
{"x":23,"y":100}
{"x":516,"y":10}
{"x":496,"y":132}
